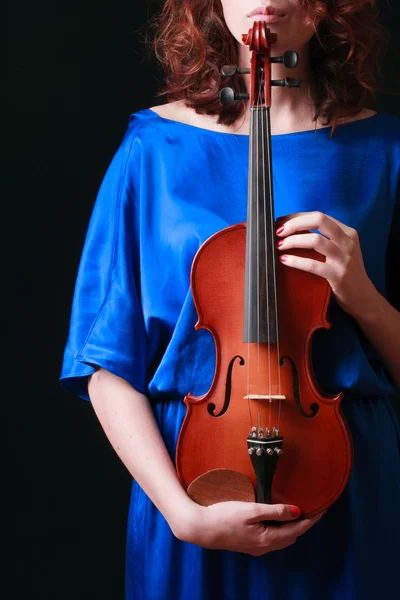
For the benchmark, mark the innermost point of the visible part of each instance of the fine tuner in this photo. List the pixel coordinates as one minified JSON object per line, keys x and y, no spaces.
{"x":290,"y":59}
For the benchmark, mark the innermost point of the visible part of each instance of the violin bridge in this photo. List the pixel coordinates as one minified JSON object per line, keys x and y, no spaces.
{"x":264,"y":397}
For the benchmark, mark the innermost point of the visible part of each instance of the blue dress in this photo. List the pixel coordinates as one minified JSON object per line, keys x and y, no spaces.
{"x":169,"y":187}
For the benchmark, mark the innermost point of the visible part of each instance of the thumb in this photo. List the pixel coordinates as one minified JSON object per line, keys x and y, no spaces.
{"x":274,"y":512}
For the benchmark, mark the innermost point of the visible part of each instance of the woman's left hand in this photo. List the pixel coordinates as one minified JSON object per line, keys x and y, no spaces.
{"x":344,"y":266}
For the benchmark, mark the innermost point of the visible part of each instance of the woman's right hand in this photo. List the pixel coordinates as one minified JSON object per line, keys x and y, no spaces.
{"x":238,"y":526}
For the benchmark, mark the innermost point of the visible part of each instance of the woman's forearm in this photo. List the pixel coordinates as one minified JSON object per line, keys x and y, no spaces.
{"x":380,"y":322}
{"x":128,"y":421}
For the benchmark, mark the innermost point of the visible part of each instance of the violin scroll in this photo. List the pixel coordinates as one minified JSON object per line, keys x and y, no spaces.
{"x":259,"y":39}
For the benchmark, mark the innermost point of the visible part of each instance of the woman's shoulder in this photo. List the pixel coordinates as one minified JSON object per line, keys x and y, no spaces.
{"x":160,"y":121}
{"x":179,"y":112}
{"x":173,"y":111}
{"x":386,"y":126}
{"x":145,"y":127}
{"x":387,"y":132}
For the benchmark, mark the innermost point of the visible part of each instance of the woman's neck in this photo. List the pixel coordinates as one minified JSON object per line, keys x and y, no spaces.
{"x":292,"y":109}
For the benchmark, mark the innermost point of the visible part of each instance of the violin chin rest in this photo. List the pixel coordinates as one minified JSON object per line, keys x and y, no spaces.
{"x":221,"y":485}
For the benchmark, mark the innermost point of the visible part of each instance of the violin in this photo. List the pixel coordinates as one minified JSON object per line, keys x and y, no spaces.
{"x":265,"y":431}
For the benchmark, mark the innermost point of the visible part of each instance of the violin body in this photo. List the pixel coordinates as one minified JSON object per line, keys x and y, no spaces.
{"x":265,"y":431}
{"x":317,"y":452}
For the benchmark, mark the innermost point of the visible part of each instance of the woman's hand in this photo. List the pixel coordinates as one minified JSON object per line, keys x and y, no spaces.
{"x":344,"y":266}
{"x":238,"y":526}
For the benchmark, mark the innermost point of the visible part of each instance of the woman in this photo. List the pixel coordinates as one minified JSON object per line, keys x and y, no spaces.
{"x":180,"y":175}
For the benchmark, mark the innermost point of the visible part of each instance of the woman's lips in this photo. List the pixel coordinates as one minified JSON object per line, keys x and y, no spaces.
{"x":266,"y":18}
{"x":269,"y":14}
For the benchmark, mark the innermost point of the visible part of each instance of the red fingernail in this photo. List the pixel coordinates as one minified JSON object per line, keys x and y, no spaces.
{"x":283,"y":258}
{"x":295,"y":511}
{"x":279,"y":244}
{"x":278,"y":231}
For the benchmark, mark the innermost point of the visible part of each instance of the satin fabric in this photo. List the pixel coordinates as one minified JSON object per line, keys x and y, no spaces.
{"x":169,"y":187}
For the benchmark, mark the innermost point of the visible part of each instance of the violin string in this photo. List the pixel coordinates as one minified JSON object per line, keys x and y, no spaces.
{"x":259,"y":249}
{"x":263,"y":140}
{"x":258,"y":269}
{"x":273,"y":251}
{"x":265,"y":250}
{"x":251,"y":151}
{"x":254,"y":149}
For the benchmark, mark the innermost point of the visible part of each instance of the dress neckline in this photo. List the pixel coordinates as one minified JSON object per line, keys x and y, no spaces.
{"x":246,"y":136}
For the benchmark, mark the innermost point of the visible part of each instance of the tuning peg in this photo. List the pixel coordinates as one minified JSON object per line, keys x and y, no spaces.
{"x":290,"y":59}
{"x":292,"y":82}
{"x":287,"y":82}
{"x":227,"y":96}
{"x":231,"y":70}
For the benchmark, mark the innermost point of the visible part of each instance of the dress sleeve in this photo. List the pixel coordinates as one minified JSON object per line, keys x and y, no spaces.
{"x":106,"y":322}
{"x":393,"y":255}
{"x":392,"y":275}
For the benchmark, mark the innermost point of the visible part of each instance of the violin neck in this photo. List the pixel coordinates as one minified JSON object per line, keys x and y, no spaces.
{"x":260,"y":314}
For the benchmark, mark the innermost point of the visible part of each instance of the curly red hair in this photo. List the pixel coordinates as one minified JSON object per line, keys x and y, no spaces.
{"x":192,"y":42}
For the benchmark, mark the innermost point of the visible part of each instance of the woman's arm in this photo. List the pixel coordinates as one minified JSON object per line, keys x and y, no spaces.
{"x":128,"y":421}
{"x":380,"y":322}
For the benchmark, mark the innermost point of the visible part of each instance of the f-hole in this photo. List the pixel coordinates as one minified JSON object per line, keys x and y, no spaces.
{"x":228,"y":389}
{"x":314,"y":408}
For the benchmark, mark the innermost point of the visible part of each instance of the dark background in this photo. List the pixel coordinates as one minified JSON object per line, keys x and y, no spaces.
{"x":75,"y":75}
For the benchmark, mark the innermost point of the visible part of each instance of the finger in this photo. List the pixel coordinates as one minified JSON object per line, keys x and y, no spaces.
{"x":278,"y":538}
{"x":285,"y":218}
{"x":317,"y":267}
{"x":298,"y":528}
{"x":348,"y":230}
{"x":273,"y":512}
{"x":331,"y":228}
{"x":312,"y":241}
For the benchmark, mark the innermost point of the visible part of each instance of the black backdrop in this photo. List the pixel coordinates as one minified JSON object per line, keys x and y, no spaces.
{"x":75,"y":75}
